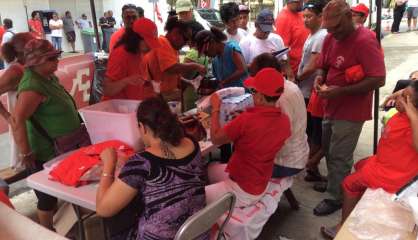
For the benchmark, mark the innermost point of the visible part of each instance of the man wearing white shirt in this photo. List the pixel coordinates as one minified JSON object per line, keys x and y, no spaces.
{"x":264,"y":41}
{"x":230,"y":17}
{"x":9,"y":32}
{"x":56,"y":25}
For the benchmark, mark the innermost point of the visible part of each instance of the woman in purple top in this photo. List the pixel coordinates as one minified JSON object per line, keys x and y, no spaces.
{"x":167,"y":179}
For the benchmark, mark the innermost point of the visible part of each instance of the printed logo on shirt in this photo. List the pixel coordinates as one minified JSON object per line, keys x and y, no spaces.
{"x":339,"y":62}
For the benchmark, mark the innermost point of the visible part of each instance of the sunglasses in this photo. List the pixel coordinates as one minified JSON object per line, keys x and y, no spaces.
{"x":252,"y":91}
{"x":52,"y":59}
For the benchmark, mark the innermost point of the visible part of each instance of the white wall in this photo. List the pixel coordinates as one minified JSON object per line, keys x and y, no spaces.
{"x":15,"y":10}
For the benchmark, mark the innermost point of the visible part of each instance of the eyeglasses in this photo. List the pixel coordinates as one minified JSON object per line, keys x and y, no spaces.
{"x":252,"y":90}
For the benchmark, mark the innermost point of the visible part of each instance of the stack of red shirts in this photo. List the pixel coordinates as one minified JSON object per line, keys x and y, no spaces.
{"x":70,"y":170}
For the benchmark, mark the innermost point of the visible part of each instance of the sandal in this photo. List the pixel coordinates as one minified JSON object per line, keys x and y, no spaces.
{"x":326,"y":207}
{"x":329,"y":232}
{"x":320,"y":187}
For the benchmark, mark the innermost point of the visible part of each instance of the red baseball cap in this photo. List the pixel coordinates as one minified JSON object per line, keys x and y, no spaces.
{"x":268,"y":81}
{"x":361,"y":8}
{"x":148,"y":31}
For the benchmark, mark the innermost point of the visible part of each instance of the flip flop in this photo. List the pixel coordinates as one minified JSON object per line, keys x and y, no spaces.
{"x":329,"y":232}
{"x":326,"y":207}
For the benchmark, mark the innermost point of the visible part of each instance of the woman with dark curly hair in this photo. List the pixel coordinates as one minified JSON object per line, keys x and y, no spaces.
{"x":168,"y":177}
{"x":125,"y":75}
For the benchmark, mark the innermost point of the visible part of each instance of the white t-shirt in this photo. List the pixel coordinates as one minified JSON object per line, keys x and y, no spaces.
{"x":251,"y":46}
{"x":241,"y":33}
{"x":295,"y":151}
{"x":56,"y":32}
{"x":412,"y":3}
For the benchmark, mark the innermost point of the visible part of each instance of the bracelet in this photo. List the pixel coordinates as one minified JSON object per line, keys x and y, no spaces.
{"x":25,"y":155}
{"x":108,"y":175}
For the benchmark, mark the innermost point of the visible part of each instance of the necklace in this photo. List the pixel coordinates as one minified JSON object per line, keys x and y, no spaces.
{"x":166,"y":151}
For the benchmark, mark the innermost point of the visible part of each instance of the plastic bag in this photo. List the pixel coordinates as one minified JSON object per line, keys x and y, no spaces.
{"x":377,"y":217}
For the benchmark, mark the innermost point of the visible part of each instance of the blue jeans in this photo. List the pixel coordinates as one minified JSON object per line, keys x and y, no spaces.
{"x":56,"y":42}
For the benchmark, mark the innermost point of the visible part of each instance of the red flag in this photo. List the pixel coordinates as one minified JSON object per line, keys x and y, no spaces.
{"x":157,"y":11}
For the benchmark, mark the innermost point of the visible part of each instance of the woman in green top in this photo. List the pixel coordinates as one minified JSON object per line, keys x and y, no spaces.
{"x":41,"y":97}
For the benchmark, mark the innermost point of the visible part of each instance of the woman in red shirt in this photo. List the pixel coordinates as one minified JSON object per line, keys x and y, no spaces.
{"x":125,"y":75}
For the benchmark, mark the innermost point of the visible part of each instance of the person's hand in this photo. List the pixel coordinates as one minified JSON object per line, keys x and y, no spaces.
{"x":200,"y":69}
{"x":329,"y":91}
{"x":409,"y":108}
{"x":109,"y":159}
{"x":134,"y":79}
{"x":29,"y":161}
{"x":318,"y":82}
{"x":391,"y":100}
{"x":215,"y":101}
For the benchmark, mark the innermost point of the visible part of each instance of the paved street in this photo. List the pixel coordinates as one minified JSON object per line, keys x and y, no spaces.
{"x":401,"y":55}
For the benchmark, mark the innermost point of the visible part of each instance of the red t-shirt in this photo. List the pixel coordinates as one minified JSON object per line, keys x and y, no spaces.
{"x":116,"y":36}
{"x":37,"y":25}
{"x":1,"y":33}
{"x":258,"y":134}
{"x":396,"y":160}
{"x":4,"y":199}
{"x":122,"y":64}
{"x":161,"y":59}
{"x":291,"y":28}
{"x":337,"y":56}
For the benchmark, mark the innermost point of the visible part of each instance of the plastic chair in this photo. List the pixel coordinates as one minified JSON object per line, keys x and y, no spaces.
{"x":203,"y":220}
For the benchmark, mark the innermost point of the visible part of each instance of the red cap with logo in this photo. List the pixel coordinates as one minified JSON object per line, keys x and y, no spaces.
{"x":267,"y":81}
{"x":148,"y":31}
{"x":361,"y":8}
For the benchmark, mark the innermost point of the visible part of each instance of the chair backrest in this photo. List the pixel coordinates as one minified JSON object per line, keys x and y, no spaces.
{"x":203,"y":220}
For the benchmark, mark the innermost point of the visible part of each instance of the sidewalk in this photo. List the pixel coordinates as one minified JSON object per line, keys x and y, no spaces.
{"x":401,"y":54}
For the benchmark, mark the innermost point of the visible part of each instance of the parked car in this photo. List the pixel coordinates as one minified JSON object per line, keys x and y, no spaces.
{"x":209,"y":17}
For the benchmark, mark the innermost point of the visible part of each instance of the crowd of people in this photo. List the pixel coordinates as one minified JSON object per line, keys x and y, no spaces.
{"x":310,"y":101}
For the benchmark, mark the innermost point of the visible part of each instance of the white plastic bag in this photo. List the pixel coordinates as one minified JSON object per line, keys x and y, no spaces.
{"x":377,"y":217}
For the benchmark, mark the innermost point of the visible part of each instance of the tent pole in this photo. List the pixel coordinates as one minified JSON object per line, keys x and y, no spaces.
{"x":376,"y":92}
{"x":96,"y":29}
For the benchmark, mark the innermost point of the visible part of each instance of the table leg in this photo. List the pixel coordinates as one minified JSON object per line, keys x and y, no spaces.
{"x":80,"y":223}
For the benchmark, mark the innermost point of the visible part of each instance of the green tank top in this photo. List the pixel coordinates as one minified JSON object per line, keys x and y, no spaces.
{"x":57,"y":114}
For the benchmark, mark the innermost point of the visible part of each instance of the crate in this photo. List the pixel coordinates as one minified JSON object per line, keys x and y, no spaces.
{"x":113,"y":120}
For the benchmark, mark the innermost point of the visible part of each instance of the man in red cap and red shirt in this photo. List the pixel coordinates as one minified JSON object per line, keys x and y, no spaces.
{"x":360,"y":13}
{"x":290,"y":26}
{"x":347,"y":102}
{"x":258,"y":134}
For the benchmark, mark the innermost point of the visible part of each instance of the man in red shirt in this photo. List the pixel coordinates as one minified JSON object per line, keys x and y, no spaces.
{"x":258,"y":134}
{"x":360,"y":13}
{"x":347,"y":104}
{"x":396,"y":159}
{"x":290,"y":26}
{"x":35,"y":26}
{"x":129,"y":15}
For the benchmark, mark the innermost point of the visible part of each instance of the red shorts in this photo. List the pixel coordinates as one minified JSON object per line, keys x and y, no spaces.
{"x":356,"y":183}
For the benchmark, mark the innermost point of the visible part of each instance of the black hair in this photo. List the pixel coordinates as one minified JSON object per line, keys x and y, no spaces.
{"x":265,"y":60}
{"x":229,"y":11}
{"x":156,"y":114}
{"x":205,"y":36}
{"x":173,"y":23}
{"x":130,"y":40}
{"x":67,"y":12}
{"x":33,"y":14}
{"x":414,"y":86}
{"x":128,"y":6}
{"x":196,"y":28}
{"x":315,"y":6}
{"x":140,"y":11}
{"x":8,"y":23}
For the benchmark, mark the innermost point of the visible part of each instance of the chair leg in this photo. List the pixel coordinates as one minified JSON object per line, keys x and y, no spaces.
{"x":294,"y":204}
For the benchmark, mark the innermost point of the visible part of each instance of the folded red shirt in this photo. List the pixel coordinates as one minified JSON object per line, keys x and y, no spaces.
{"x":72,"y":168}
{"x":354,"y":74}
{"x":5,"y":199}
